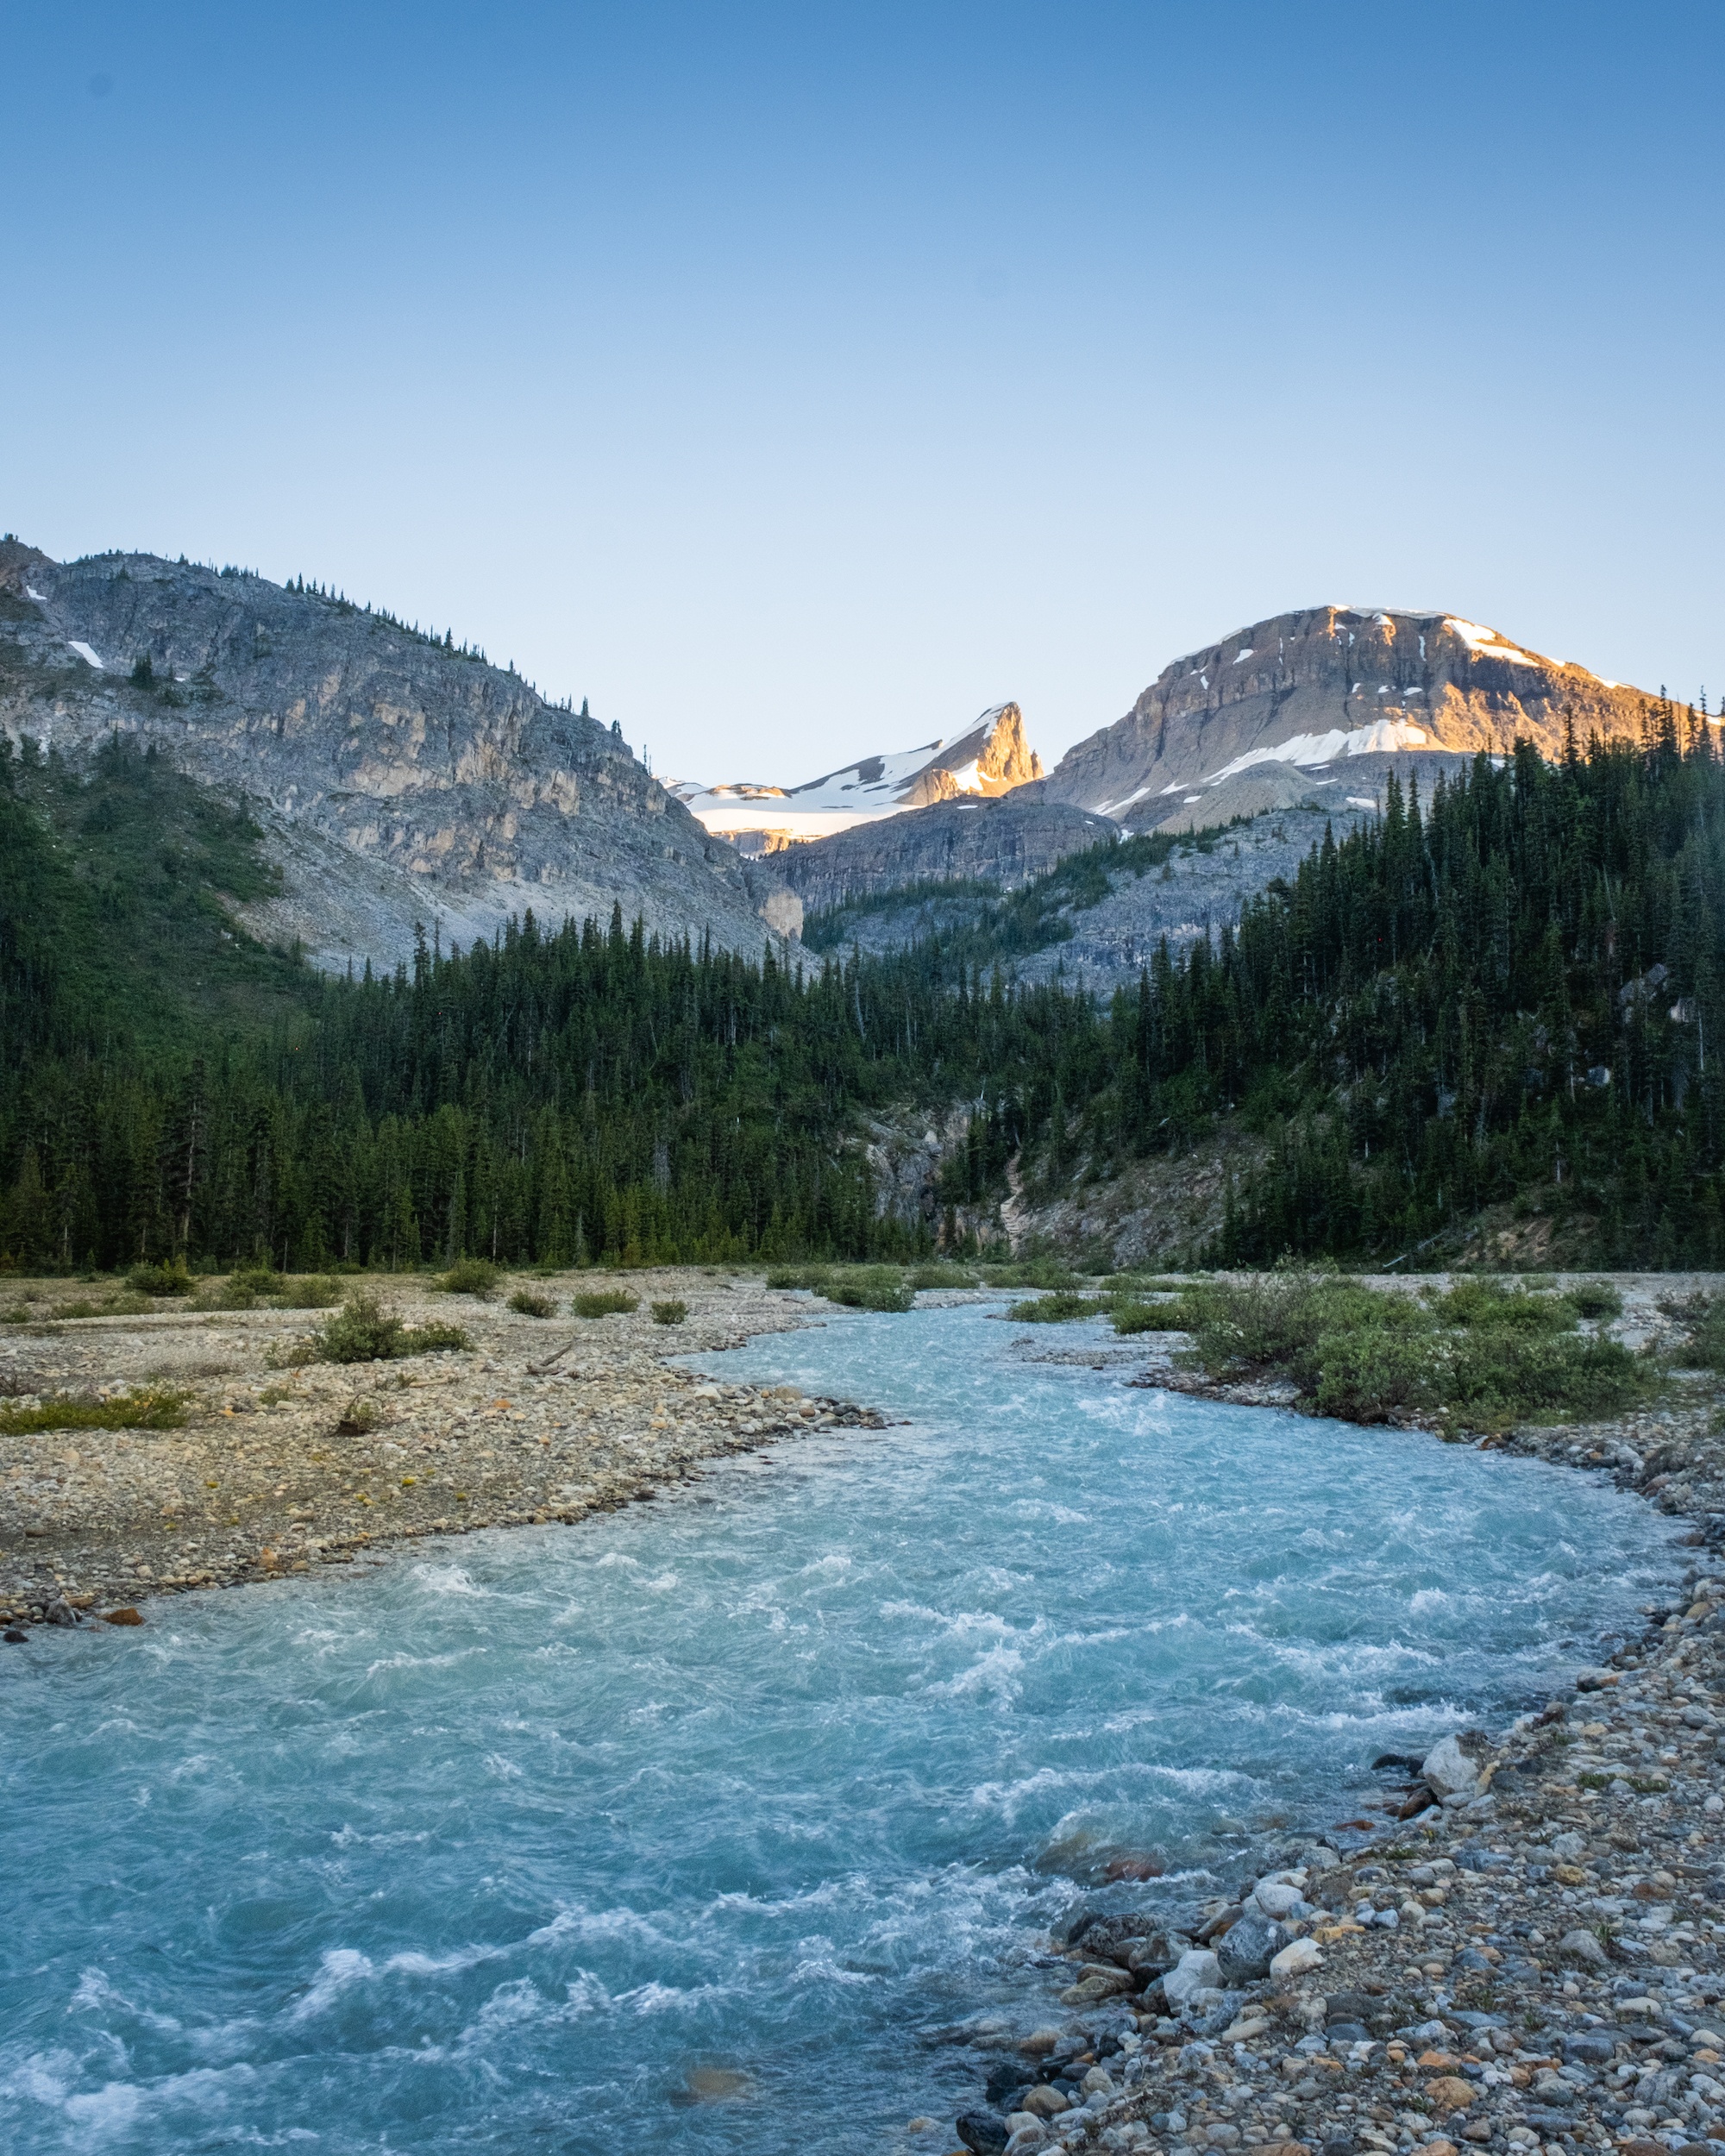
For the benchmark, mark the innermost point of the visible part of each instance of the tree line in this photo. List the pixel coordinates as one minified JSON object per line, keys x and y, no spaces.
{"x":1508,"y":993}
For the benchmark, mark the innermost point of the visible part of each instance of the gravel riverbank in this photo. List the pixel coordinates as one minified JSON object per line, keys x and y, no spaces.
{"x":1519,"y":1950}
{"x":543,"y":1419}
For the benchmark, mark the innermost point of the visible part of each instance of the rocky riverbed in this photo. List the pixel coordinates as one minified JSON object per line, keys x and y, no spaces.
{"x":282,"y":1465}
{"x":1519,"y":1950}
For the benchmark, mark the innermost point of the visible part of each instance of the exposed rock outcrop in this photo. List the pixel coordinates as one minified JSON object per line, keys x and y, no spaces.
{"x":987,"y":761}
{"x":1006,"y":842}
{"x":397,"y":779}
{"x":1328,"y":683}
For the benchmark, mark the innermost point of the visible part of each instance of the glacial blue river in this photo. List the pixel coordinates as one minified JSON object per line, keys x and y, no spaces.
{"x":493,"y":1847}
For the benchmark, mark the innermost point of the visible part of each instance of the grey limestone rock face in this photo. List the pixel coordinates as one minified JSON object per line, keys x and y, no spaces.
{"x":1431,"y":681}
{"x":396,"y":778}
{"x":1007,"y":841}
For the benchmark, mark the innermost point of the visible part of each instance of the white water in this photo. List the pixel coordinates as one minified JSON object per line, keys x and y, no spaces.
{"x":487,"y":1848}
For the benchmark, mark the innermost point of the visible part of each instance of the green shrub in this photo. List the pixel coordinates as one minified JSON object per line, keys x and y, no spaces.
{"x":815,"y":1277}
{"x":359,"y":1416}
{"x":1490,"y":1305}
{"x":1704,"y":1315}
{"x":1030,"y":1272}
{"x":308,"y":1291}
{"x":532,"y":1304}
{"x":1131,"y":1316}
{"x":606,"y":1302}
{"x":470,"y":1276}
{"x":161,"y":1280}
{"x":1479,"y":1357}
{"x":366,"y":1330}
{"x":942,"y":1274}
{"x":1595,"y":1299}
{"x":670,"y":1312}
{"x":161,"y":1407}
{"x":870,"y":1288}
{"x":1059,"y":1307}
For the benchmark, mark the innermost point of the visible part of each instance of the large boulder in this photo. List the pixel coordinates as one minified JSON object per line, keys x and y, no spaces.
{"x":1198,"y":1971}
{"x":1245,"y":1950}
{"x":1447,"y":1770}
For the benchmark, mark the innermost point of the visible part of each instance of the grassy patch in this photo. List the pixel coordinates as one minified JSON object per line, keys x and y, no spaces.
{"x":528,"y":1303}
{"x":870,"y":1288}
{"x":857,"y":1286}
{"x":1478,"y":1356}
{"x":366,"y":1330}
{"x":606,"y":1302}
{"x":161,"y":1280}
{"x":470,"y":1276}
{"x":1061,"y":1306}
{"x":942,"y":1274}
{"x":670,"y":1311}
{"x":1595,"y":1299}
{"x":162,"y":1408}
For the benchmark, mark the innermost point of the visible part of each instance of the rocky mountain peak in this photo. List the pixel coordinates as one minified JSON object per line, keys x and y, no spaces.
{"x":1305,"y":689}
{"x":398,"y":778}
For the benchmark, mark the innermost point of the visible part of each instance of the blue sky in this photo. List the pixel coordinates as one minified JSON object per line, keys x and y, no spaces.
{"x":793,"y":381}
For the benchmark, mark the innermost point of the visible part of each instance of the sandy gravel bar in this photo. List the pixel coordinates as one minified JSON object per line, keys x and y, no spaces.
{"x":544,"y":1420}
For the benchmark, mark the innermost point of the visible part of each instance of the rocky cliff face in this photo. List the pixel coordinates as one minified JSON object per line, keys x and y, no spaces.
{"x":397,"y":780}
{"x":989,"y":760}
{"x":1007,"y":841}
{"x":1305,"y":690}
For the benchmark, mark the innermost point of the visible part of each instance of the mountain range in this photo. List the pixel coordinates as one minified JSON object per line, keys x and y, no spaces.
{"x":397,"y":779}
{"x":400,"y":780}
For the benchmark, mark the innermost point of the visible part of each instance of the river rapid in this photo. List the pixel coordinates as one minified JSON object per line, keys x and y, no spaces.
{"x":695,"y":1827}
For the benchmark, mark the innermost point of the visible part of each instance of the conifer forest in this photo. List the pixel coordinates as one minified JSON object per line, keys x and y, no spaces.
{"x":1511,"y":987}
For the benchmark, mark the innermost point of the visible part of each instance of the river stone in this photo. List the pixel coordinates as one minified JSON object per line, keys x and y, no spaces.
{"x":1296,"y":1959}
{"x":985,"y":2133}
{"x":1585,"y":1947}
{"x":1198,"y":1971}
{"x":1447,"y":1770}
{"x":1245,"y":1949}
{"x":1044,"y":2102}
{"x":1276,"y":1897}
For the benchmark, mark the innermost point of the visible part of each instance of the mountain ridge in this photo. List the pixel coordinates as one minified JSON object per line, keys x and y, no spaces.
{"x":990,"y":758}
{"x":398,"y":781}
{"x":1323,"y":684}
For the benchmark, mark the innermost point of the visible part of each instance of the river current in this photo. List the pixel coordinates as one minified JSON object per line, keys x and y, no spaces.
{"x":691,"y":1827}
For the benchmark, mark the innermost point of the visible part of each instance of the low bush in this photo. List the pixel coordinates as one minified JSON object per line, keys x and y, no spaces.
{"x":358,"y":1417}
{"x":1704,"y":1316}
{"x":1132,"y":1316}
{"x":1595,"y":1299}
{"x":308,"y":1291}
{"x":1059,"y":1307}
{"x":670,"y":1312}
{"x":470,"y":1276}
{"x":815,"y":1277}
{"x":606,"y":1302}
{"x":942,"y":1274}
{"x":171,"y":1279}
{"x":1031,"y":1272}
{"x":870,"y":1288}
{"x":366,"y":1330}
{"x":161,"y":1407}
{"x":1478,"y":1356}
{"x":528,"y":1303}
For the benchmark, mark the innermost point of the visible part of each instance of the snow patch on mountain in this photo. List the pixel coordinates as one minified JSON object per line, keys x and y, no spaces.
{"x":988,"y":759}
